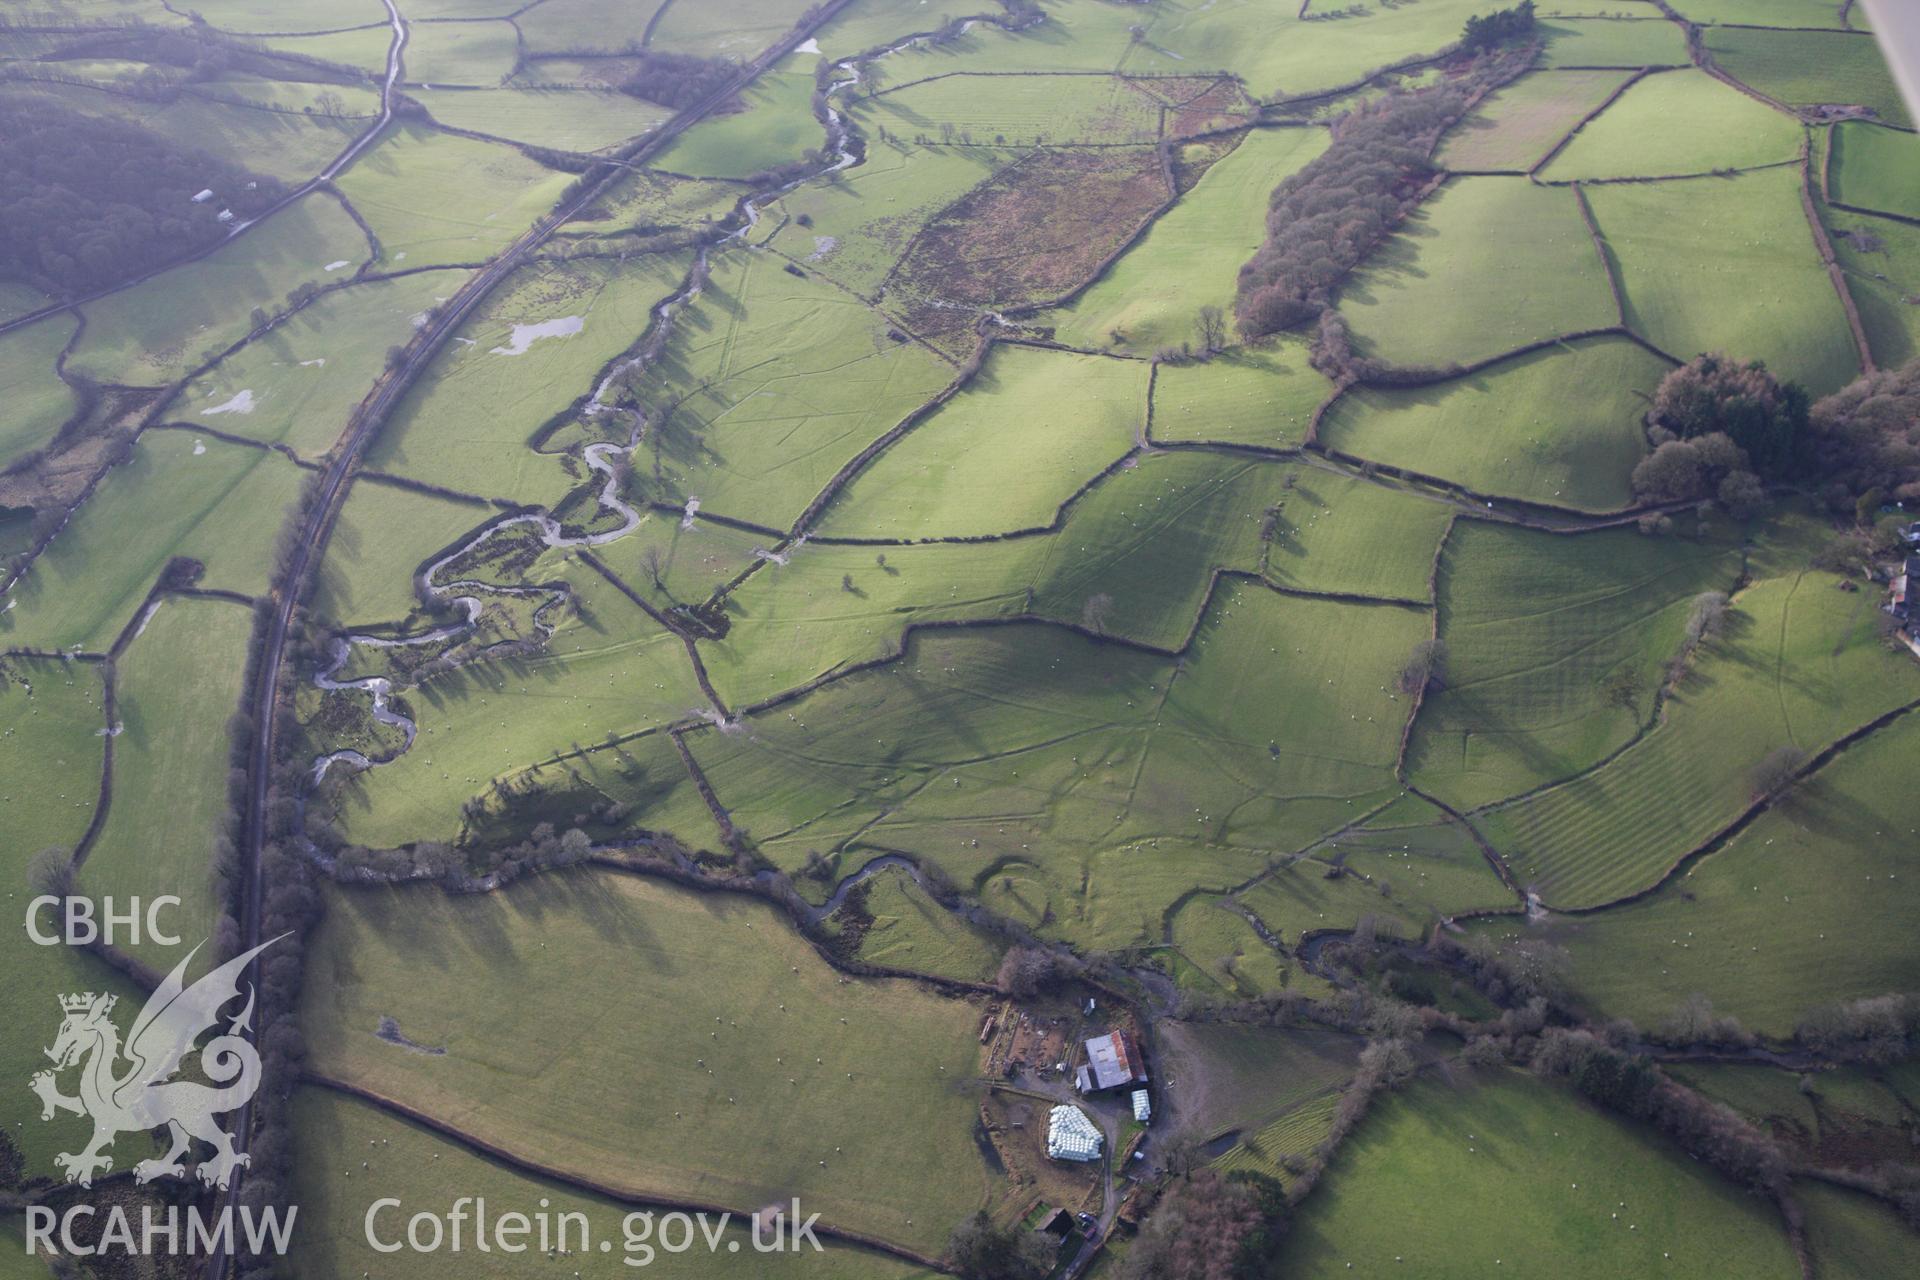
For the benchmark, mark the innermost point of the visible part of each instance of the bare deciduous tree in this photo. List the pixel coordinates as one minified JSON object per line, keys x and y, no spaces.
{"x":1777,"y":771}
{"x":1426,"y":665}
{"x":1094,"y":614}
{"x":1211,"y":327}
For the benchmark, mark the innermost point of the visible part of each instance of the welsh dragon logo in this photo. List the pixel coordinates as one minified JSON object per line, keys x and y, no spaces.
{"x":143,"y":1095}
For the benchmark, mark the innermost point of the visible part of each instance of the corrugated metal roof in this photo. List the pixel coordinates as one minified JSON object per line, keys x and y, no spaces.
{"x":1114,"y":1061}
{"x":1142,"y":1107}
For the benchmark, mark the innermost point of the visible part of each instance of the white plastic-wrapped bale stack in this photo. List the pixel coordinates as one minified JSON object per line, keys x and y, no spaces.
{"x":1071,"y":1136}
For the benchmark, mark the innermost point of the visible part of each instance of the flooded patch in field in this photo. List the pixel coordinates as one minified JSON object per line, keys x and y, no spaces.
{"x":240,"y":402}
{"x":525,"y":335}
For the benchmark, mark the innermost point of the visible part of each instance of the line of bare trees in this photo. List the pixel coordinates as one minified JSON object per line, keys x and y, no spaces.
{"x":1328,"y":216}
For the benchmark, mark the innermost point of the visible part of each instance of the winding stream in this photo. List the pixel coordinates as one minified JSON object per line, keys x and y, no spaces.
{"x":466,"y":595}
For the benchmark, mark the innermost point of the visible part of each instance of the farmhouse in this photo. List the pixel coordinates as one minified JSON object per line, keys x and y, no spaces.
{"x":1071,"y":1136}
{"x":1904,"y":602}
{"x":1113,"y":1062}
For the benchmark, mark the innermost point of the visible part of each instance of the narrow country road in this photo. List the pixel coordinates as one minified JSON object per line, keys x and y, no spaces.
{"x":219,"y":1257}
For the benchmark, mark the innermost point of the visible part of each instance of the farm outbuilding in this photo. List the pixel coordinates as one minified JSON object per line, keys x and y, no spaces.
{"x":1904,"y":602}
{"x":1113,"y":1062}
{"x":1142,"y":1106}
{"x":1071,"y":1135}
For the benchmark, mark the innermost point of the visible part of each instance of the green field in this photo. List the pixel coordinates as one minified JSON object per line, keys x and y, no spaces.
{"x":1218,"y":953}
{"x":724,"y":28}
{"x":692,"y":562}
{"x":1178,"y":516}
{"x":1030,"y":430}
{"x":1876,"y":168}
{"x":776,"y":127}
{"x":969,"y":108}
{"x":1615,"y":42}
{"x":384,"y":536}
{"x":179,"y":683}
{"x":1188,"y":260}
{"x":1079,"y":35}
{"x":583,"y":25}
{"x":155,"y":332}
{"x":1295,"y":1134}
{"x":772,"y":383}
{"x":265,"y":15}
{"x":1151,"y":789}
{"x":644,"y":200}
{"x":1560,"y":426}
{"x":1851,"y":1236}
{"x":461,"y":53}
{"x":1806,"y":68}
{"x":1765,"y":13}
{"x":1728,"y":264}
{"x":1881,"y":259}
{"x":1415,"y":854}
{"x":1800,"y":664}
{"x":726,"y":1016}
{"x":1281,"y":54}
{"x":469,"y":423}
{"x":1554,"y":651}
{"x":38,"y":401}
{"x":355,"y":104}
{"x":435,"y":200}
{"x":1212,"y":764}
{"x":50,"y":753}
{"x":644,"y":773}
{"x":1260,"y":397}
{"x":554,"y":702}
{"x":855,"y":561}
{"x":1519,"y":124}
{"x":341,"y":1137}
{"x":363,"y":47}
{"x":303,"y":379}
{"x":1493,"y":1174}
{"x":1340,"y":533}
{"x":854,"y":230}
{"x":564,"y":119}
{"x":1484,"y":266}
{"x":1674,"y":123}
{"x":191,"y":496}
{"x":1804,"y":907}
{"x":1299,"y":899}
{"x":911,"y":931}
{"x":1763,"y":1094}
